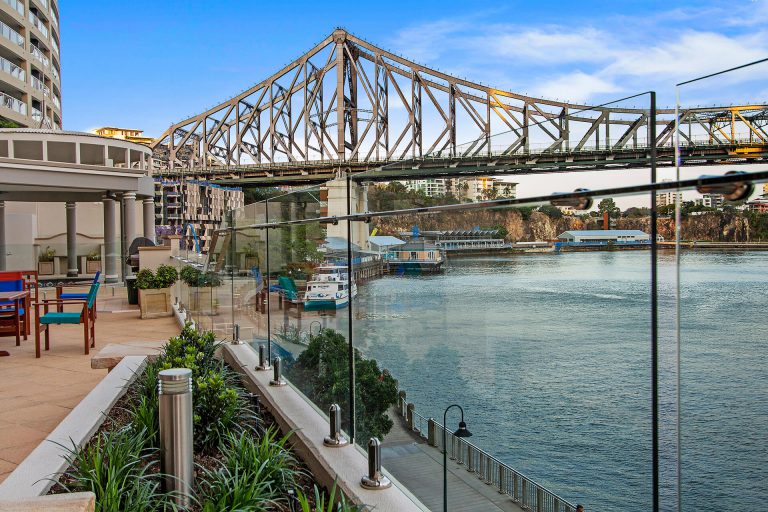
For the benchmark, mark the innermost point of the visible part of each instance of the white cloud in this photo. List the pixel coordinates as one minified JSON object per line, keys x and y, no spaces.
{"x":426,"y":42}
{"x":576,"y":87}
{"x":549,"y":44}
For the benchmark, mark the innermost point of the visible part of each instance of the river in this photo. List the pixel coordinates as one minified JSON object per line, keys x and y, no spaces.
{"x":549,"y":354}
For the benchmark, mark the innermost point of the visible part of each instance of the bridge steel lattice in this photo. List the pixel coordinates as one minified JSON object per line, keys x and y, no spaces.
{"x":349,"y":105}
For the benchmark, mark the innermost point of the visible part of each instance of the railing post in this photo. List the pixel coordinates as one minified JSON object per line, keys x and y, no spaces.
{"x":432,"y":432}
{"x":502,"y":478}
{"x":539,"y":499}
{"x":489,"y":470}
{"x":375,"y":480}
{"x":557,"y":505}
{"x":335,"y":439}
{"x":452,"y":456}
{"x":525,"y":491}
{"x":401,"y":403}
{"x":470,"y":457}
{"x":278,"y":373}
{"x":515,"y":488}
{"x":409,"y":417}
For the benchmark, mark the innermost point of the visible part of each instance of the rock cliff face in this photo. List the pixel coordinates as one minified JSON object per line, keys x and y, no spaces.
{"x":716,"y":227}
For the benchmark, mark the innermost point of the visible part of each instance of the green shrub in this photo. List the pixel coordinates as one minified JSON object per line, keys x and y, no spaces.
{"x":190,"y":275}
{"x":146,"y":280}
{"x":113,"y":467}
{"x":268,"y":457}
{"x":47,"y":255}
{"x":329,"y":504}
{"x":218,"y":410}
{"x":235,"y":490}
{"x":166,"y":275}
{"x":197,"y":278}
{"x":191,"y":349}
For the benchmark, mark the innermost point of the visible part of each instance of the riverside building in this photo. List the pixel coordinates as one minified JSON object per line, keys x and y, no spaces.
{"x":30,"y":70}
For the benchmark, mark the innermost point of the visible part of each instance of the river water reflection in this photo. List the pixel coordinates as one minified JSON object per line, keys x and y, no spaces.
{"x":550,"y":356}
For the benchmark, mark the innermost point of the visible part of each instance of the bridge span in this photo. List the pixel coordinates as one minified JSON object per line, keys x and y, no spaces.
{"x":350,"y":106}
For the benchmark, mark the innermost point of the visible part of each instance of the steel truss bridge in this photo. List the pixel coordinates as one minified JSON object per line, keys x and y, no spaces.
{"x":349,"y":106}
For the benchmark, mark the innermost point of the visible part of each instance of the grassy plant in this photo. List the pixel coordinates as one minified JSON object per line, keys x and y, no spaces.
{"x":329,"y":504}
{"x":144,"y":418}
{"x":268,"y":457}
{"x":226,"y":489}
{"x":113,"y":468}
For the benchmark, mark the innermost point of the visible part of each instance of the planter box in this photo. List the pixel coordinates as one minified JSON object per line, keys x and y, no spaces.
{"x":45,"y":268}
{"x":92,"y":266}
{"x":155,"y":303}
{"x":201,"y":299}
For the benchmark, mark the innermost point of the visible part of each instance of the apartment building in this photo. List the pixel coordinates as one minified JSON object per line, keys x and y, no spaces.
{"x":199,"y":204}
{"x":668,"y":198}
{"x":476,"y":188}
{"x":431,"y":187}
{"x":30,"y":70}
{"x":129,"y":134}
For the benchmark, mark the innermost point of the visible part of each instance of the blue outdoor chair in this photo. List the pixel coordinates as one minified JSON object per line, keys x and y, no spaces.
{"x":75,"y":296}
{"x":87,"y":317}
{"x":8,"y":308}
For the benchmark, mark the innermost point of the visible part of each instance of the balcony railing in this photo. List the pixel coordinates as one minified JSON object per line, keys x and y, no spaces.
{"x":18,"y":6}
{"x":37,"y":22}
{"x":44,"y":3}
{"x":55,"y":73}
{"x":39,"y":55}
{"x":54,"y":23}
{"x":40,"y":86}
{"x":56,"y":101}
{"x":55,"y":46}
{"x":12,"y":69}
{"x":37,"y":115}
{"x":14,"y":104}
{"x":11,"y":34}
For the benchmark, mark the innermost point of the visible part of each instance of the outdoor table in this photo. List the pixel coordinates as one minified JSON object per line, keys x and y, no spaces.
{"x":20,"y":301}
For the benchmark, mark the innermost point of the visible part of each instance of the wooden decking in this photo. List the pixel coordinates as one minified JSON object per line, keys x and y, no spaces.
{"x":418,"y":466}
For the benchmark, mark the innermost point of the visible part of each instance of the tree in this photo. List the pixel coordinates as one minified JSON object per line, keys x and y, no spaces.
{"x":609,"y":205}
{"x":552,"y":211}
{"x":634,"y":212}
{"x":322,"y":374}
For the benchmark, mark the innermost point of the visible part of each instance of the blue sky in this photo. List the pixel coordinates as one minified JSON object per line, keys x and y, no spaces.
{"x":145,"y":64}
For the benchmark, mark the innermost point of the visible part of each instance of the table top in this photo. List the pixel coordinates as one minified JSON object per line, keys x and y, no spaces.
{"x":14,"y":295}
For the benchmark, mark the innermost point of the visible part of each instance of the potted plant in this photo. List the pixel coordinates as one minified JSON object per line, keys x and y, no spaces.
{"x":200,"y":288}
{"x":251,"y":256}
{"x":155,"y":291}
{"x":45,"y":261}
{"x":93,"y":261}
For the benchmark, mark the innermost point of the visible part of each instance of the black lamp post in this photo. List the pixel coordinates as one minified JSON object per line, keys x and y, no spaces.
{"x":460,"y":432}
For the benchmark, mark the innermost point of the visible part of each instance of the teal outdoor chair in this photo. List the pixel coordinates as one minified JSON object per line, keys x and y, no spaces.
{"x":87,"y":317}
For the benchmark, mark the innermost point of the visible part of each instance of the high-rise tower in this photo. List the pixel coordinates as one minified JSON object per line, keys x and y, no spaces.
{"x":30,"y":69}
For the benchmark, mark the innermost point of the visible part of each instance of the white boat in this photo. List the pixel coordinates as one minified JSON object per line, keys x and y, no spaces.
{"x":328,"y":288}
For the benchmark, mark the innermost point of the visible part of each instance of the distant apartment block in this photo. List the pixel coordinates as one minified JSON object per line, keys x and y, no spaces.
{"x":712,"y":201}
{"x":668,"y":198}
{"x":478,"y":188}
{"x":198,"y":204}
{"x":30,"y":70}
{"x":128,"y":134}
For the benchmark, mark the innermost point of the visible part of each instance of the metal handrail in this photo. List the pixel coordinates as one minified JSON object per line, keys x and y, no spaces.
{"x":38,"y":54}
{"x":505,"y":479}
{"x":13,"y":103}
{"x":38,"y":23}
{"x":18,"y":6}
{"x":12,"y":69}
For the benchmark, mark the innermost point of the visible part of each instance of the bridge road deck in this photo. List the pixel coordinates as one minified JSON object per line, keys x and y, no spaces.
{"x":409,"y":458}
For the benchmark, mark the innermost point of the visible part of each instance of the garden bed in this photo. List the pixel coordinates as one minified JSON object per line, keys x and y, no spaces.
{"x":242,"y":460}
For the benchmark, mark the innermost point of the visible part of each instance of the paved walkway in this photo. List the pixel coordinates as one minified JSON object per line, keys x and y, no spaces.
{"x":36,"y":394}
{"x":419,"y":467}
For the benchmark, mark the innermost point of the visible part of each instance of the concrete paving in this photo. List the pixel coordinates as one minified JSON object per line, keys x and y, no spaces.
{"x":36,"y":394}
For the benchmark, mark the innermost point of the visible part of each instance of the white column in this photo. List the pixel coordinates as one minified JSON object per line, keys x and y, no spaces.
{"x":129,"y":224}
{"x":3,"y":249}
{"x":111,"y":255}
{"x":72,"y":239}
{"x":149,"y":218}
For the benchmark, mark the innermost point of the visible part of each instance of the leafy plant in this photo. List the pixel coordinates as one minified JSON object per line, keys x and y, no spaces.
{"x":166,"y":275}
{"x":218,"y":410}
{"x":146,"y":280}
{"x":94,"y":255}
{"x":47,"y":255}
{"x":268,"y":457}
{"x":235,"y":490}
{"x":197,"y":278}
{"x":112,"y":466}
{"x":144,"y":418}
{"x":329,"y":504}
{"x":322,"y":373}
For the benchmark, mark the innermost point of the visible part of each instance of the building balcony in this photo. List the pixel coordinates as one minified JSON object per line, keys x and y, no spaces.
{"x":17,"y":6}
{"x":44,"y":3}
{"x":56,"y":101}
{"x":38,"y":23}
{"x":55,"y":73}
{"x":40,"y":86}
{"x":55,"y":46}
{"x":11,"y":35}
{"x":39,"y":55}
{"x":14,"y":104}
{"x":13,"y":70}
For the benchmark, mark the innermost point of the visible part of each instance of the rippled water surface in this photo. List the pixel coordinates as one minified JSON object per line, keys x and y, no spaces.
{"x":549,"y":355}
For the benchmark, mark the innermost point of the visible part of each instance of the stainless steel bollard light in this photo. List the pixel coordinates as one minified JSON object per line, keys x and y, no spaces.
{"x":335,"y":439}
{"x":174,"y":388}
{"x":375,"y":480}
{"x":263,"y":362}
{"x":277,"y":379}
